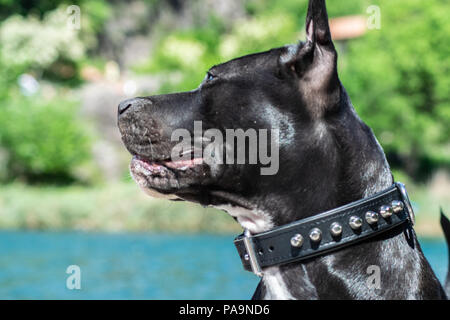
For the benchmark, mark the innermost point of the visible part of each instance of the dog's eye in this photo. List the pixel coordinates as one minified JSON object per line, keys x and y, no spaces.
{"x":209,"y":76}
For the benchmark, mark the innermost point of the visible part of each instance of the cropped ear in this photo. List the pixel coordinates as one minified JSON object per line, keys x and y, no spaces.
{"x":317,"y":27}
{"x":318,"y":50}
{"x":314,"y":62}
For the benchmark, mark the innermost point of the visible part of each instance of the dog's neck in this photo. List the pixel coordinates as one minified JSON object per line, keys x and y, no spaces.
{"x":294,"y":280}
{"x":366,"y":172}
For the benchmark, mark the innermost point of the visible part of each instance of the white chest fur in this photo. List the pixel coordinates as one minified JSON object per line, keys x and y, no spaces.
{"x":253,"y":220}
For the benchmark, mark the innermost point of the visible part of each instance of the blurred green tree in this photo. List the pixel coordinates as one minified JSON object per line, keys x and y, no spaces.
{"x":43,"y":140}
{"x":398,"y":78}
{"x":41,"y":137}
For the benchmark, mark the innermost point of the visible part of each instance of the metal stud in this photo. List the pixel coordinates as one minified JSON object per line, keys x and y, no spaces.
{"x":315,"y":235}
{"x":297,"y":240}
{"x":355,"y":222}
{"x":397,"y":206}
{"x":336,"y":229}
{"x":386,"y":211}
{"x":371,"y":217}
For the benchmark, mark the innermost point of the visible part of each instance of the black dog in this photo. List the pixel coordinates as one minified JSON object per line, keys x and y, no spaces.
{"x":327,"y":158}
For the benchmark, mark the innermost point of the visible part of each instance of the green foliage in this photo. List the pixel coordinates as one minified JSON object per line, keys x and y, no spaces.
{"x":191,"y":51}
{"x":42,"y":139}
{"x":45,"y":44}
{"x":94,"y":14}
{"x":98,"y":10}
{"x":259,"y":33}
{"x":398,"y":78}
{"x":22,"y":42}
{"x":298,"y":8}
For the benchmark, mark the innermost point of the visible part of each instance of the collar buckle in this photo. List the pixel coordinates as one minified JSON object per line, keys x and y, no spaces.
{"x":251,"y":254}
{"x":404,"y":194}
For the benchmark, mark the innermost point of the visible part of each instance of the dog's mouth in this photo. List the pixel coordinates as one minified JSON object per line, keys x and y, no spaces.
{"x":165,"y":178}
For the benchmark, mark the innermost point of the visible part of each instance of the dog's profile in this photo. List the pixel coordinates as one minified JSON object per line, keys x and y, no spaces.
{"x":327,"y":158}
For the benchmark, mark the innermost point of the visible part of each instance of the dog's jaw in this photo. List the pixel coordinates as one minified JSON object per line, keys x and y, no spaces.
{"x":255,"y":220}
{"x":165,"y":178}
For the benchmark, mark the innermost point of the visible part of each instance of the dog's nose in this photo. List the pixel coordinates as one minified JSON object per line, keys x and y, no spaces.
{"x":126,"y":105}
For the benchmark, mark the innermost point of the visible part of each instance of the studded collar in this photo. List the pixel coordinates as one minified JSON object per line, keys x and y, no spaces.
{"x":327,"y":231}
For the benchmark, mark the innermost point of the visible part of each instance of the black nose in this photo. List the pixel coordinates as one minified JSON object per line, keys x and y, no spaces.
{"x":126,"y":105}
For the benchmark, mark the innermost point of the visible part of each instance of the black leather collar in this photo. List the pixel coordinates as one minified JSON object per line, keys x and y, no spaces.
{"x":327,"y":231}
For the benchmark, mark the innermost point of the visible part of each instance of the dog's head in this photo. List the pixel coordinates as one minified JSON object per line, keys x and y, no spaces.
{"x":289,"y":97}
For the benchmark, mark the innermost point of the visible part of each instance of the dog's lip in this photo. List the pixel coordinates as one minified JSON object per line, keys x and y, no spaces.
{"x":159,"y":165}
{"x":165,"y":176}
{"x":183,"y":164}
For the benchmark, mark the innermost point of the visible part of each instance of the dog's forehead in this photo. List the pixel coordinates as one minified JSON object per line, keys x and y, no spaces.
{"x":250,"y":63}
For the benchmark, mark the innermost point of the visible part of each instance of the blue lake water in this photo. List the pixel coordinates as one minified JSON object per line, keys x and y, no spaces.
{"x":135,"y":266}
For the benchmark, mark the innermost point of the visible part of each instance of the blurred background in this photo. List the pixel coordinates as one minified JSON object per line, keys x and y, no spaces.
{"x":66,"y":197}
